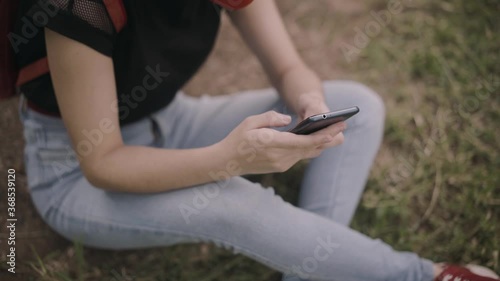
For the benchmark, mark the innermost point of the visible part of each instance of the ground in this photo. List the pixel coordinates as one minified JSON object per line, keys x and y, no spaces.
{"x":435,"y":186}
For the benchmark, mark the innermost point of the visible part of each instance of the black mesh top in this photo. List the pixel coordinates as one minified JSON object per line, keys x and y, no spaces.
{"x":161,"y":36}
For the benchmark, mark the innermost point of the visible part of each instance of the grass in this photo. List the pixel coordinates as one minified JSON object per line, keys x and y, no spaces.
{"x":435,"y":188}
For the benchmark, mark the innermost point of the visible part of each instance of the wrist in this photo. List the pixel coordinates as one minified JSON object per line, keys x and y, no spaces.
{"x":311,"y":103}
{"x":227,"y":159}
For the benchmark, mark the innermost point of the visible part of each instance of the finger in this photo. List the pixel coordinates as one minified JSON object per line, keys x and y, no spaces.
{"x":313,"y":153}
{"x":332,"y":130}
{"x":268,"y":119}
{"x":293,"y":141}
{"x":337,"y":140}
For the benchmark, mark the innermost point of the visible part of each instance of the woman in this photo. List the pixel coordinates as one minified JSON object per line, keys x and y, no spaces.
{"x":117,"y":158}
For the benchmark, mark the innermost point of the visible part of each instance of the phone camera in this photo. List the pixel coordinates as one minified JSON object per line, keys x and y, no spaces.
{"x":324,"y":116}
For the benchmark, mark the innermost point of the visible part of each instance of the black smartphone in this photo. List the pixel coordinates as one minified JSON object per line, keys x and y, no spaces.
{"x":317,"y":122}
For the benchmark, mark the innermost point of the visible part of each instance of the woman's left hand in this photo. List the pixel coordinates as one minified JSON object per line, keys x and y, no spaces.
{"x":311,"y":104}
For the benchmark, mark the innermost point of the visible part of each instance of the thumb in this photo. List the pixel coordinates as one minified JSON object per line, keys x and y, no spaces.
{"x":268,"y":119}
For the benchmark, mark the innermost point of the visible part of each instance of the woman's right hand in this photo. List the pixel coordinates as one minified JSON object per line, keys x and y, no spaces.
{"x":258,"y":149}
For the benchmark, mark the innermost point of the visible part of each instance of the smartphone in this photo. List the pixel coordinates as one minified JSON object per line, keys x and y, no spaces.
{"x":318,"y":122}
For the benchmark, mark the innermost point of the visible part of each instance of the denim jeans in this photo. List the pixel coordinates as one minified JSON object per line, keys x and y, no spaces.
{"x":311,"y":241}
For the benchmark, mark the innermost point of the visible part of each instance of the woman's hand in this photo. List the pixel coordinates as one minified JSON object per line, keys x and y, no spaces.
{"x":258,"y":149}
{"x":310,"y":104}
{"x":261,"y":25}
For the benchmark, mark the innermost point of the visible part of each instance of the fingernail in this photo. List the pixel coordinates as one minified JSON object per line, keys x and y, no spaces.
{"x":286,"y":118}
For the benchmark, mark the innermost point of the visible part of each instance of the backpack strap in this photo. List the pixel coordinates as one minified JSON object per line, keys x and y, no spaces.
{"x":33,"y":71}
{"x":118,"y":15}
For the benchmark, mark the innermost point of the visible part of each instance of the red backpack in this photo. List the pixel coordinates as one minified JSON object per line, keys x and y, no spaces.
{"x":11,"y":77}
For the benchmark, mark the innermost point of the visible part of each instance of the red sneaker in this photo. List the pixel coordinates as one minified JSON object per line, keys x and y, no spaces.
{"x":459,"y":273}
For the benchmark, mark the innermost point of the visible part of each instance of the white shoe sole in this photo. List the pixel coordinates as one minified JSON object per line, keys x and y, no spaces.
{"x":481,"y":270}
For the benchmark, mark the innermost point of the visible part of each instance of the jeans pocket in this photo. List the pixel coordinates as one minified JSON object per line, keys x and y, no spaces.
{"x":34,"y":173}
{"x":56,"y":163}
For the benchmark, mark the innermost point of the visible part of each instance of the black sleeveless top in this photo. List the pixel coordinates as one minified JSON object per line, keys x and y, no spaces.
{"x":162,"y":46}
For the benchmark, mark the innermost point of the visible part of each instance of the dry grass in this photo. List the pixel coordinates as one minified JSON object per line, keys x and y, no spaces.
{"x":435,"y":188}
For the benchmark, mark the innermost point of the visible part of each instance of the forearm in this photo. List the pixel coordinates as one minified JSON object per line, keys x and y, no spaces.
{"x":262,"y":28}
{"x":299,"y":86}
{"x":146,"y":169}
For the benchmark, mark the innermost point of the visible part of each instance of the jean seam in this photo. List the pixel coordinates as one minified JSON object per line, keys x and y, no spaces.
{"x":335,"y":189}
{"x":201,"y":236}
{"x":337,"y":175}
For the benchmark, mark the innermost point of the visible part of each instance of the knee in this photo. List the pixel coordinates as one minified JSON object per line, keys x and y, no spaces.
{"x":371,"y":105}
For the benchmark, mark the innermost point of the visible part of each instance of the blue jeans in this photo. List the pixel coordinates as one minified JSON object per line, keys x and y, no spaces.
{"x":310,"y":241}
